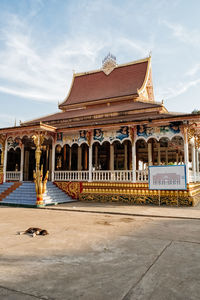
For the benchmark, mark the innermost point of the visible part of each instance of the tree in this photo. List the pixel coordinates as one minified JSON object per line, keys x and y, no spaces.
{"x":195,"y":111}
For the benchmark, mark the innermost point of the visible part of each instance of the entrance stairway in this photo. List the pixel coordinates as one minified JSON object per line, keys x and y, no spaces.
{"x":3,"y":188}
{"x":55,"y":195}
{"x":25,"y":195}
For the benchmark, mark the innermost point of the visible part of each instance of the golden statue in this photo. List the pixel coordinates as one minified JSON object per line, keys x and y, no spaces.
{"x":40,"y":186}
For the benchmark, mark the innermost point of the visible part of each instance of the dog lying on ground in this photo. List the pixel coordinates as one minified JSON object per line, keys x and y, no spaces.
{"x":33,"y":231}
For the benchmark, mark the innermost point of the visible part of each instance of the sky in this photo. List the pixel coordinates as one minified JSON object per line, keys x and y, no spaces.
{"x":42,"y":42}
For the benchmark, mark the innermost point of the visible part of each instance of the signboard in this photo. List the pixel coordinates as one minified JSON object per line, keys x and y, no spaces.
{"x":167,"y":177}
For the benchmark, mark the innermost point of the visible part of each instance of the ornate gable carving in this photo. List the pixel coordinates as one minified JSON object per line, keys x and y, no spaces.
{"x":109,"y":63}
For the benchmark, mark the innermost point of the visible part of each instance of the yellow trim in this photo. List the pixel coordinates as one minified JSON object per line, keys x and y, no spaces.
{"x":40,"y":126}
{"x":68,"y":93}
{"x":146,"y":76}
{"x":100,"y":101}
{"x":118,"y":66}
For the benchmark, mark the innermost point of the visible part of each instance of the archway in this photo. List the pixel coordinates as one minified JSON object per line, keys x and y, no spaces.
{"x":141,"y":154}
{"x":13,"y":160}
{"x":84,"y":157}
{"x":59,"y":158}
{"x":74,"y":159}
{"x":101,"y":156}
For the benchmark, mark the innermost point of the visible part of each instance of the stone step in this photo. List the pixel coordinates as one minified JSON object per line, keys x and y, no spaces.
{"x":25,"y":195}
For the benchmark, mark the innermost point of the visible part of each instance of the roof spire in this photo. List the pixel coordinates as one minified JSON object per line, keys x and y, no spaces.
{"x":109,"y":63}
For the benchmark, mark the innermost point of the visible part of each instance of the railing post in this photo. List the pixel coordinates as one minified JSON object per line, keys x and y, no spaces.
{"x":90,"y":163}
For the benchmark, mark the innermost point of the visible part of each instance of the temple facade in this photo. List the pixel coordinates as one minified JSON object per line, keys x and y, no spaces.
{"x":108,"y":132}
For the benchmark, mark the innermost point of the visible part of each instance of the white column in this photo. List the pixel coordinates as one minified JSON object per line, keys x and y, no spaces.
{"x":166,"y":156}
{"x":53,"y":161}
{"x":79,"y":158}
{"x":96,"y":157}
{"x":186,"y":154}
{"x":125,"y":155}
{"x":177,"y":158}
{"x":5,"y":161}
{"x":158,"y":153}
{"x":22,"y":163}
{"x":70,"y":158}
{"x":194,"y":162}
{"x":90,"y":163}
{"x":197,"y":168}
{"x":134,"y":160}
{"x":111,"y":157}
{"x":150,"y":154}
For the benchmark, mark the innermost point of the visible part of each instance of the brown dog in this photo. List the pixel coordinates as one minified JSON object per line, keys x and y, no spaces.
{"x":33,"y":231}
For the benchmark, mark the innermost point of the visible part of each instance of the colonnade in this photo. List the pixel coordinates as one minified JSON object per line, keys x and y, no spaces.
{"x":110,"y":157}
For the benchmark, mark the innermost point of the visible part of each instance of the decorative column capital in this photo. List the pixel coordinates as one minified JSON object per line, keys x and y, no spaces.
{"x":132,"y":134}
{"x":38,"y":141}
{"x":89,"y":137}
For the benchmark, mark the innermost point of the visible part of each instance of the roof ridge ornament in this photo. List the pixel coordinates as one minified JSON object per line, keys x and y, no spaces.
{"x":109,"y":63}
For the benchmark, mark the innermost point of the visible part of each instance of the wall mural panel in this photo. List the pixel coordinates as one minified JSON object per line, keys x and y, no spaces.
{"x":84,"y":136}
{"x":111,"y":135}
{"x":14,"y":143}
{"x":159,"y":132}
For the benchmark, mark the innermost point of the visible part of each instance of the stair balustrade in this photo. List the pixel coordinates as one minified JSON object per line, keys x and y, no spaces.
{"x":13,"y":175}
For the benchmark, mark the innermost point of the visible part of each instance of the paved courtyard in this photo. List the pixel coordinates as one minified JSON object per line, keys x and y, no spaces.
{"x":99,"y":255}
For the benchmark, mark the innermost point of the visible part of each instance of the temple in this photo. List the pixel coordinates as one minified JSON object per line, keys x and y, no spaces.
{"x":108,"y":132}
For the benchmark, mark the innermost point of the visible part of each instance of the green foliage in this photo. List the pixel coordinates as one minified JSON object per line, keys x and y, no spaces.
{"x":195,"y":111}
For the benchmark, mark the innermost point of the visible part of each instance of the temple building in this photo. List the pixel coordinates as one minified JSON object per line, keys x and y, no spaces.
{"x":108,"y":132}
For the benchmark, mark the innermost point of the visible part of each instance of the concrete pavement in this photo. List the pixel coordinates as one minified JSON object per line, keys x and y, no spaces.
{"x":131,"y":210}
{"x":98,"y":256}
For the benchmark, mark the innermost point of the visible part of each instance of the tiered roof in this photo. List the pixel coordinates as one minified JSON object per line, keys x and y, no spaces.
{"x":124,"y":80}
{"x":122,"y":92}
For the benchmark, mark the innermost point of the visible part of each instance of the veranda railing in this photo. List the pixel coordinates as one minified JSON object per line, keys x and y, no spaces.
{"x":13,"y":175}
{"x":98,"y":176}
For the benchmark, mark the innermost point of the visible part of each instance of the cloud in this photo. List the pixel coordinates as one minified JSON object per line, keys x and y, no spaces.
{"x":184,"y":35}
{"x":194,"y":70}
{"x":7,"y":120}
{"x":42,"y":76}
{"x":180,"y":88}
{"x":30,"y":71}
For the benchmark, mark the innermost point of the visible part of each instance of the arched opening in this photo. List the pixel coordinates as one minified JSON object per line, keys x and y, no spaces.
{"x":13,"y":160}
{"x":101,"y":156}
{"x":118,"y":156}
{"x":176,"y":150}
{"x":46,"y":156}
{"x":59,"y":157}
{"x":66,"y":157}
{"x":162,"y":152}
{"x":141,"y":155}
{"x":84,"y":157}
{"x":74,"y":160}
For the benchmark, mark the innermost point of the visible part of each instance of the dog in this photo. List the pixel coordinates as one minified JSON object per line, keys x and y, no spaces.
{"x":33,"y":231}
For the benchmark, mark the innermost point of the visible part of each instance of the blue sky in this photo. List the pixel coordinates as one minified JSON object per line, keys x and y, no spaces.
{"x":43,"y":41}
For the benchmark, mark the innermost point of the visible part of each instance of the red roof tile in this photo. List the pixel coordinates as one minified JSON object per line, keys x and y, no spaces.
{"x":97,"y":110}
{"x":122,"y":81}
